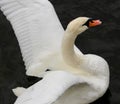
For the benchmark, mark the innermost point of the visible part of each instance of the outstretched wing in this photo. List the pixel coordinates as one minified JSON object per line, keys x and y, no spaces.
{"x":61,"y":87}
{"x":36,"y":26}
{"x":57,"y":87}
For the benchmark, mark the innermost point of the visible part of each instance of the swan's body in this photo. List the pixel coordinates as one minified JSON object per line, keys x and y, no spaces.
{"x":82,"y":79}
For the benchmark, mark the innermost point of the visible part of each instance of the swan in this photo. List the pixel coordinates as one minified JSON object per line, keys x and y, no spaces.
{"x":75,"y":78}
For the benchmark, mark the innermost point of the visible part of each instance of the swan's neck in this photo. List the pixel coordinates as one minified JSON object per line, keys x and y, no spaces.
{"x":68,"y":52}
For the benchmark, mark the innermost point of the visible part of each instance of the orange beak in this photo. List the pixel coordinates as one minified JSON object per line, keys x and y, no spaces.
{"x":94,"y":23}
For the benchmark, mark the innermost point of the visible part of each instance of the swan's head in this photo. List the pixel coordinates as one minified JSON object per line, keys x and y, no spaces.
{"x":81,"y":24}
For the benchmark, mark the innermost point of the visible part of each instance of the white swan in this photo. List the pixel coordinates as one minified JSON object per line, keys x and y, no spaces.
{"x":43,"y":46}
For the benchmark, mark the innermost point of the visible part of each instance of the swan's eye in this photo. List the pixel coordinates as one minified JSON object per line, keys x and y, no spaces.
{"x":92,"y":21}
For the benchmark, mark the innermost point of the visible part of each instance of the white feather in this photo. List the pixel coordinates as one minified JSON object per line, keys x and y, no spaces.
{"x":18,"y":91}
{"x":37,"y":29}
{"x":60,"y":87}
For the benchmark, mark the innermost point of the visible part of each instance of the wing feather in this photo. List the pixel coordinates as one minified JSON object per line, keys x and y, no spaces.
{"x":53,"y":86}
{"x":36,"y":26}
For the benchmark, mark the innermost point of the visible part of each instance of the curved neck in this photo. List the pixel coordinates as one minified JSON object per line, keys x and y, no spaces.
{"x":68,"y":52}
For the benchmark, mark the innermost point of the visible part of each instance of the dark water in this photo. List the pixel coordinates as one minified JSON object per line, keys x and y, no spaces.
{"x":103,"y":40}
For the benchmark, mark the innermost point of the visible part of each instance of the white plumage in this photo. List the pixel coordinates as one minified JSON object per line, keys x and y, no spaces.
{"x":74,"y":89}
{"x":81,"y":78}
{"x":37,"y":29}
